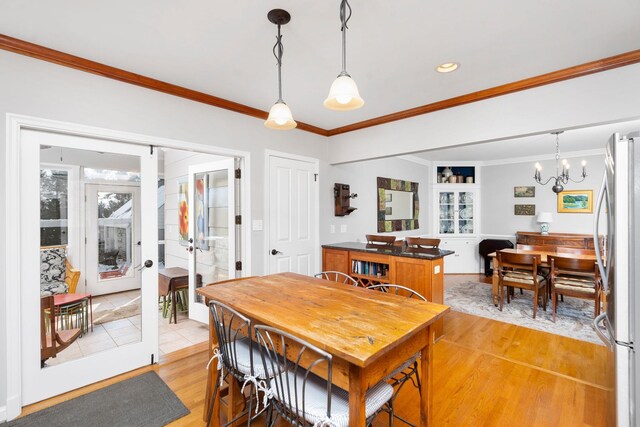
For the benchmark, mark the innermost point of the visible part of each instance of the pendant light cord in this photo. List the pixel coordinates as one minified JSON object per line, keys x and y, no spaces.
{"x":278,"y":46}
{"x":345,"y":15}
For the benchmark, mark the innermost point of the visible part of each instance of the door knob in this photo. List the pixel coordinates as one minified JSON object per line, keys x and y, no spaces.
{"x":190,"y":240}
{"x":147,"y":264}
{"x":275,"y":252}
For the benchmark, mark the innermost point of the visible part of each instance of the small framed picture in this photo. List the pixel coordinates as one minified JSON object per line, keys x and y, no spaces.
{"x":528,"y":210}
{"x":524,"y":191}
{"x":575,"y":201}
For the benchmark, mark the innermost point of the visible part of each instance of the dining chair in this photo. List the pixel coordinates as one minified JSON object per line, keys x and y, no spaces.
{"x":301,"y":388}
{"x":53,"y":341}
{"x":236,"y":356}
{"x":337,"y":276}
{"x":408,"y":371}
{"x":421,"y":242}
{"x":380,"y":240}
{"x":574,"y":277}
{"x":518,"y":270}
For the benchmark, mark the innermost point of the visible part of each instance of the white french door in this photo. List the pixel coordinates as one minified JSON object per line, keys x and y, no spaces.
{"x":112,"y":238}
{"x":38,"y":148}
{"x":212,"y":229}
{"x":293,"y":210}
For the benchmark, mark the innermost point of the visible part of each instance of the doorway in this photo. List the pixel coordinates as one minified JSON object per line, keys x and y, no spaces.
{"x":56,"y":300}
{"x":292,"y":200}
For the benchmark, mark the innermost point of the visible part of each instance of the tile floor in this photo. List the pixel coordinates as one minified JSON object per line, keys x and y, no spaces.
{"x":121,"y":332}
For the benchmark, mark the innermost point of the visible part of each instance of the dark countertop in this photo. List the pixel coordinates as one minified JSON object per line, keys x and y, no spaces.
{"x":401,"y":251}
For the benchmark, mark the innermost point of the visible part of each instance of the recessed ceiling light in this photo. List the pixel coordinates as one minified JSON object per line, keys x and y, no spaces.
{"x":447,"y":67}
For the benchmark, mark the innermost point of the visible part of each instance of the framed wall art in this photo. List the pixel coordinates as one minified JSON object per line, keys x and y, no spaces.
{"x":183,"y":211}
{"x":528,"y":210}
{"x":524,"y":191}
{"x":575,"y":201}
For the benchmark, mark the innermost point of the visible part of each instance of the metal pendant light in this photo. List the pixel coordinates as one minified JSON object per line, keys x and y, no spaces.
{"x":344,"y":95}
{"x":280,"y":117}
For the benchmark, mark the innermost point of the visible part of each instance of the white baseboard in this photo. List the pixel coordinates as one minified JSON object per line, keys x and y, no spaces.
{"x":12,"y":410}
{"x":3,"y":414}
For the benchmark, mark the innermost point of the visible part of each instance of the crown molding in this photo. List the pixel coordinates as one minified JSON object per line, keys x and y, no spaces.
{"x":57,"y":57}
{"x":581,"y":70}
{"x":50,"y":55}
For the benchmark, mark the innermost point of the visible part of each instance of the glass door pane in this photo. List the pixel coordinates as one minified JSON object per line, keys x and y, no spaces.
{"x":465,"y":212}
{"x":212,"y":225}
{"x":115,"y":234}
{"x":446,"y":215}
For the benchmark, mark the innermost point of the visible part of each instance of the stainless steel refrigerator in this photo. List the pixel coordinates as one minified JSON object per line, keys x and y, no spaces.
{"x":619,"y":201}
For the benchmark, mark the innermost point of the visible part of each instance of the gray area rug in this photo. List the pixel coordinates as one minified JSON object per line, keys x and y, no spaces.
{"x":574,"y":316}
{"x":144,"y":400}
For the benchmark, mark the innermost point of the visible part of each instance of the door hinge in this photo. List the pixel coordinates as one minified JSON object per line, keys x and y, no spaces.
{"x":151,"y":147}
{"x":315,"y":177}
{"x":85,"y":240}
{"x":238,"y":265}
{"x":152,"y":358}
{"x":238,"y":173}
{"x":238,"y":219}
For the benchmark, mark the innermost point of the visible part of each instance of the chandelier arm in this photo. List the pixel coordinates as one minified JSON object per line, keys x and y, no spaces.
{"x":539,"y":181}
{"x":573,"y":180}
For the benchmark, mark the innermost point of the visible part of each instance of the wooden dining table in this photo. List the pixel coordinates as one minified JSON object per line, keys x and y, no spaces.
{"x":544,"y":262}
{"x":368,"y":333}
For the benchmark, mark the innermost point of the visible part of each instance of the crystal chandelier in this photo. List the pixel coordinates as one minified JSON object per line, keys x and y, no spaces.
{"x":561,"y":177}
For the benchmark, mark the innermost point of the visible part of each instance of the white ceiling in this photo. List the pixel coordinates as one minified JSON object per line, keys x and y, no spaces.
{"x":224,"y":48}
{"x":574,"y":140}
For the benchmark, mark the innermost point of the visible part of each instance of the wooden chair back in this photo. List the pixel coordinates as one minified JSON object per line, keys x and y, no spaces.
{"x":421,"y":242}
{"x":52,"y":341}
{"x":570,"y":265}
{"x":541,"y":248}
{"x":380,"y":240}
{"x":519,"y":261}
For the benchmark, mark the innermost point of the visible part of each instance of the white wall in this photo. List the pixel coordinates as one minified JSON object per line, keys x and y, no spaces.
{"x":361,"y":177}
{"x":39,"y":89}
{"x":497,"y":184}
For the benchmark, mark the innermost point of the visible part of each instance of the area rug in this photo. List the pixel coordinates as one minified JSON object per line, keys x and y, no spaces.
{"x":104,"y":316}
{"x":144,"y":400}
{"x":574,"y":316}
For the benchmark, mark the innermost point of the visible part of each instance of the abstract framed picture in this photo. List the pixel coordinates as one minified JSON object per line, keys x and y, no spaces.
{"x":524,"y":191}
{"x":183,"y":211}
{"x":575,"y":201}
{"x":528,"y":210}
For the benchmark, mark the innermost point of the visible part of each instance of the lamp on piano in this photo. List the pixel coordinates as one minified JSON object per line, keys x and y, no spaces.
{"x":544,"y":218}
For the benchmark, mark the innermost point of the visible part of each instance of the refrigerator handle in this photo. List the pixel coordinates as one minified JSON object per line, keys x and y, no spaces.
{"x":596,"y":229}
{"x":608,"y":340}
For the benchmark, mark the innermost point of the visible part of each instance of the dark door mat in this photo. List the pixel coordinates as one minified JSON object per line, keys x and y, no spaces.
{"x":144,"y":400}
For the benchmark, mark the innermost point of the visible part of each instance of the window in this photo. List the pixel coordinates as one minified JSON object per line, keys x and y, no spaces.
{"x":54,"y":207}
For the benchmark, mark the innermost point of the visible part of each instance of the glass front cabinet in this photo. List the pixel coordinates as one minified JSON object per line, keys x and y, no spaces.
{"x":457,"y":212}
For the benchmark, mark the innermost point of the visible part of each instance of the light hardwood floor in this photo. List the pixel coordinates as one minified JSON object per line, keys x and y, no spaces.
{"x":486,"y":373}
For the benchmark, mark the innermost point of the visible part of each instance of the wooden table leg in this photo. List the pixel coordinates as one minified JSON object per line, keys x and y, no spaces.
{"x":357,"y":397}
{"x":495,"y":281}
{"x":426,"y":384}
{"x":174,"y":310}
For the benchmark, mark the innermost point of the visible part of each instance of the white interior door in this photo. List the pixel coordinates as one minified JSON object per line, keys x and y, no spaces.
{"x":112,"y":238}
{"x":293,"y":208}
{"x":36,"y":147}
{"x":212,"y":236}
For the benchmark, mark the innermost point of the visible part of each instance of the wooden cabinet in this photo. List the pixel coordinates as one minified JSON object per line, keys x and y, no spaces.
{"x":552,"y":240}
{"x":425,"y":276}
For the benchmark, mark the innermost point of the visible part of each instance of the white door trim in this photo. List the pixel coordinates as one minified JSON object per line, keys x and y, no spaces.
{"x":268,"y":154}
{"x":15,"y":123}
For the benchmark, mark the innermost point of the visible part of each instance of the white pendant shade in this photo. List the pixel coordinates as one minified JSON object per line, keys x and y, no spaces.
{"x":343,"y":95}
{"x":280,"y":117}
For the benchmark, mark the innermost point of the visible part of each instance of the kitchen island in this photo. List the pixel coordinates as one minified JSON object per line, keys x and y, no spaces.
{"x":419,"y":269}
